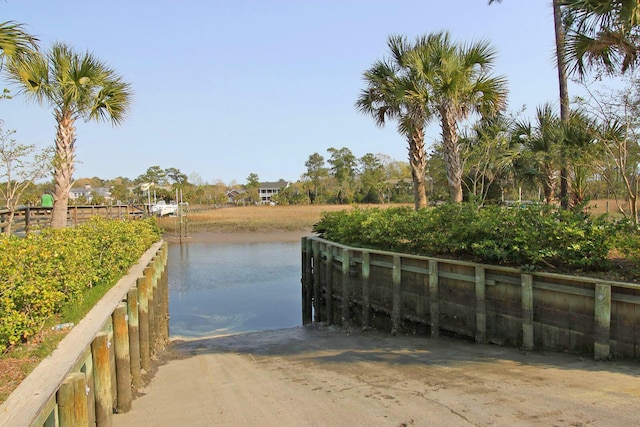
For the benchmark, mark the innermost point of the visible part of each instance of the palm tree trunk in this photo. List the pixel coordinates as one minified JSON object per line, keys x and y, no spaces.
{"x":564,"y":96}
{"x":418,"y":162}
{"x":63,"y":168}
{"x":451,"y":154}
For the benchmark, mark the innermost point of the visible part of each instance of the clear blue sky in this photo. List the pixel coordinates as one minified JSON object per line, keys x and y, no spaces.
{"x":229,"y":88}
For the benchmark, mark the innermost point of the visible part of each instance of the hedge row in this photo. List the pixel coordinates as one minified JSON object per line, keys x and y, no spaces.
{"x":526,"y":237}
{"x":42,"y":272}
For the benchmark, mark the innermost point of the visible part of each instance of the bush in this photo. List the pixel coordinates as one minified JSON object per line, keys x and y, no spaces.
{"x":526,"y":237}
{"x":42,"y":272}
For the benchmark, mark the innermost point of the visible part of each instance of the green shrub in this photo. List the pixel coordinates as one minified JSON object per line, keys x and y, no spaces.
{"x":42,"y":272}
{"x":526,"y":237}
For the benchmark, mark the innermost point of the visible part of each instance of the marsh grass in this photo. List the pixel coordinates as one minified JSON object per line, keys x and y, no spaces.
{"x":251,"y":218}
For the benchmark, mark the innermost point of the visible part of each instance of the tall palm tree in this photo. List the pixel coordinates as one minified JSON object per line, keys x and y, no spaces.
{"x":602,"y":34}
{"x":459,"y":84}
{"x":540,"y":144}
{"x":15,"y":41}
{"x":76,"y":86}
{"x":394,"y":92}
{"x":561,"y":61}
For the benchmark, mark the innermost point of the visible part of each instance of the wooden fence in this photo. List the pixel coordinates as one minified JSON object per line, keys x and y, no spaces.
{"x":98,"y":366}
{"x":31,"y":218}
{"x":489,"y":304}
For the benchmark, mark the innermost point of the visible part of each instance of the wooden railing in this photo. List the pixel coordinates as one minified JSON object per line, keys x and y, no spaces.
{"x":405,"y":293}
{"x":31,"y":218}
{"x":97,"y":367}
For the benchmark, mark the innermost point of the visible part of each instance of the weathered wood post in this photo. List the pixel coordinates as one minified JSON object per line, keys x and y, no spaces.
{"x":329,"y":278}
{"x":396,"y":278}
{"x":108,"y":328}
{"x":309,"y":277}
{"x":27,"y":220}
{"x":434,"y":302}
{"x":143,"y":322}
{"x":602,"y":322}
{"x":346,"y":260}
{"x":306,"y":285}
{"x":72,"y":401}
{"x":102,"y":379}
{"x":527,"y":311}
{"x":123,"y":366}
{"x":481,"y":306}
{"x":317,"y":295}
{"x":134,"y":337}
{"x":151,"y":307}
{"x":163,"y":294}
{"x":366,"y":303}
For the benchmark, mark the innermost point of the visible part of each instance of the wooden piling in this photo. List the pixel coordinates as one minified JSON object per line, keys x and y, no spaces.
{"x":163,"y":292}
{"x":602,"y":322}
{"x":307,"y":284}
{"x":123,"y":366}
{"x":72,"y":401}
{"x":344,"y":317}
{"x":527,"y":311}
{"x":143,"y":320}
{"x":434,"y":304}
{"x":102,"y":379}
{"x":317,"y":310}
{"x":152,"y":308}
{"x":366,"y":303}
{"x":108,"y":328}
{"x":329,"y":279}
{"x":134,"y":338}
{"x":396,"y":278}
{"x":481,"y":306}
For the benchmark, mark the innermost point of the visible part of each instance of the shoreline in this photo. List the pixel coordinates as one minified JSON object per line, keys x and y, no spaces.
{"x":239,"y":237}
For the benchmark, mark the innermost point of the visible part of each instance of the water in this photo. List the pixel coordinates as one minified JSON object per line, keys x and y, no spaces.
{"x":218,"y":289}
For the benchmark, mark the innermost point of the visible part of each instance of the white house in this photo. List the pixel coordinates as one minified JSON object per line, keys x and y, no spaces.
{"x":86,"y":193}
{"x":268,"y":189}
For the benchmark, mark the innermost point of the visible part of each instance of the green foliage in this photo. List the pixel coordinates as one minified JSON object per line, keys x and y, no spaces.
{"x":41,"y":273}
{"x":528,"y":236}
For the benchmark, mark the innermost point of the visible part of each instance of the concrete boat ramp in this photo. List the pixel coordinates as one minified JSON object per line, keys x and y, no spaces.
{"x":321,"y":376}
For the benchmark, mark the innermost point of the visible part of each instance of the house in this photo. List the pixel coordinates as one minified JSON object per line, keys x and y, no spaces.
{"x":269,"y":189}
{"x":235,"y":196}
{"x":86,"y":193}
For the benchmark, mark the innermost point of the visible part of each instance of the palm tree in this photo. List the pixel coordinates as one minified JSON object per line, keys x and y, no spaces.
{"x":540,"y":145}
{"x":561,"y":61}
{"x":76,"y":86}
{"x":602,"y":34}
{"x":394,"y":92}
{"x":459,"y":84}
{"x":15,"y":41}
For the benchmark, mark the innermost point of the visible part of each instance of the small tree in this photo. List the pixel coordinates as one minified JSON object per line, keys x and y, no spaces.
{"x":253,"y":186}
{"x":21,"y":166}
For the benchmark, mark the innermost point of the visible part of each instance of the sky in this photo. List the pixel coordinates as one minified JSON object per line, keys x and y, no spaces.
{"x":223,"y":89}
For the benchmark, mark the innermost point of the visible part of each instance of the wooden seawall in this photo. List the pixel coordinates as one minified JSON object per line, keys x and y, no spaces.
{"x":95,"y":369}
{"x":413,"y":294}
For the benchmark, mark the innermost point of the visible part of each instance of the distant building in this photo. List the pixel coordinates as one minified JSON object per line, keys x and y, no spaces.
{"x":86,"y":193}
{"x":269,"y":189}
{"x":236,"y":196}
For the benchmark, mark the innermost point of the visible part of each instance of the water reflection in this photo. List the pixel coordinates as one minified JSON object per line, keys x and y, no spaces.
{"x":217,"y":288}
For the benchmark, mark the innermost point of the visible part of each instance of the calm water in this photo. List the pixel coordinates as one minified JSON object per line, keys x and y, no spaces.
{"x":217,"y":289}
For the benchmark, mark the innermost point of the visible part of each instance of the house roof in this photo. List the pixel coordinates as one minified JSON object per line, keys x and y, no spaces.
{"x":277,"y":184}
{"x":100,"y":191}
